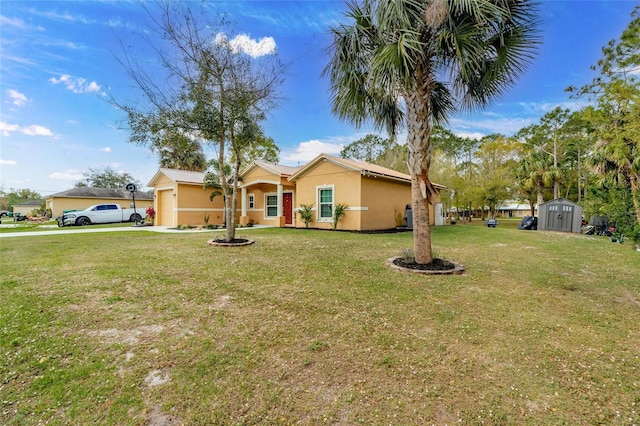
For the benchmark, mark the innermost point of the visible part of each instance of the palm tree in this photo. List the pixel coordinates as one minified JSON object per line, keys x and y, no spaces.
{"x":409,"y":63}
{"x":533,"y":174}
{"x":177,"y":151}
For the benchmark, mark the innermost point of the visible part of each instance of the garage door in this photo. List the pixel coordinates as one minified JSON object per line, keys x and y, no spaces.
{"x":165,"y":208}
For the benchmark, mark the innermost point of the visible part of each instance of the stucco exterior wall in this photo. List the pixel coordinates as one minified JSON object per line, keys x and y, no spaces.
{"x":193,"y":206}
{"x":346,"y":190}
{"x":59,"y":204}
{"x":383,"y":200}
{"x":258,"y":212}
{"x":24,"y":210}
{"x":260,"y":183}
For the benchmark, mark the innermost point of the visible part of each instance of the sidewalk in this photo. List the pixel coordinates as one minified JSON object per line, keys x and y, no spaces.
{"x":87,"y":229}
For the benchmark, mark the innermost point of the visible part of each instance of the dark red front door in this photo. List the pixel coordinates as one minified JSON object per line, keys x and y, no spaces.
{"x":287,"y":208}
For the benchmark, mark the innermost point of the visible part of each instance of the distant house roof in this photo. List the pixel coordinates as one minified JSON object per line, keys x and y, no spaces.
{"x":512,"y":205}
{"x":179,"y":176}
{"x":30,"y":203}
{"x":364,"y":168}
{"x":87,"y":192}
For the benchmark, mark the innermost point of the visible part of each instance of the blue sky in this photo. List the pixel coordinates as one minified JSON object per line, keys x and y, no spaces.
{"x":58,"y":60}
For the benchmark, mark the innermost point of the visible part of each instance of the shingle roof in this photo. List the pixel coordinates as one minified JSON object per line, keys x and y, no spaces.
{"x":30,"y":203}
{"x":87,"y":192}
{"x":278,"y":168}
{"x":181,"y":176}
{"x":361,"y":166}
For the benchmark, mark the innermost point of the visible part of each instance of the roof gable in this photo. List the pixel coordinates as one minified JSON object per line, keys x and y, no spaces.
{"x":560,"y":201}
{"x":178,"y":176}
{"x":362,"y":167}
{"x":276,"y":169}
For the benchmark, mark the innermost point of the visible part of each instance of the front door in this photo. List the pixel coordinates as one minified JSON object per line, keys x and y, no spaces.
{"x":287,"y":208}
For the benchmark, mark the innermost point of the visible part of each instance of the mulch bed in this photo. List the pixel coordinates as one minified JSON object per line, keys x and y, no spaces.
{"x":236,"y":242}
{"x":434,"y":265}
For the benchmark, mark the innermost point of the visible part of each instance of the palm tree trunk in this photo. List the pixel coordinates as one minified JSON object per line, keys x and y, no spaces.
{"x":634,"y":179}
{"x":419,"y":159}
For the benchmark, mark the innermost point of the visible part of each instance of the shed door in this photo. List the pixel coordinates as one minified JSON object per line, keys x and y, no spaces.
{"x":560,"y":218}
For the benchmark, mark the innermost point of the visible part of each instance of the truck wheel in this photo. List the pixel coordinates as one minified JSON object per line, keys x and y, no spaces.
{"x":135,"y":218}
{"x":82,"y":221}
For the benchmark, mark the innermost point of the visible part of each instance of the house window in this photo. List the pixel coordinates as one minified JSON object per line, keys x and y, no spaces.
{"x":251,"y":201}
{"x":272,"y":205}
{"x":325,"y":203}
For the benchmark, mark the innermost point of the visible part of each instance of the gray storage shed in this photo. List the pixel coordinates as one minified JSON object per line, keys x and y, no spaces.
{"x":560,"y":215}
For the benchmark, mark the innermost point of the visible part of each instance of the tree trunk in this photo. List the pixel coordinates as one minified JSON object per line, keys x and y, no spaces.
{"x":419,"y":159}
{"x":540,"y":200}
{"x":634,"y":179}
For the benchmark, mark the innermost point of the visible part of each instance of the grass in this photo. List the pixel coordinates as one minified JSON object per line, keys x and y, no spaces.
{"x":310,"y":327}
{"x":50,"y":225}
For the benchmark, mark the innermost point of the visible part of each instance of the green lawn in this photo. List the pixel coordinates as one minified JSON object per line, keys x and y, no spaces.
{"x":310,"y":327}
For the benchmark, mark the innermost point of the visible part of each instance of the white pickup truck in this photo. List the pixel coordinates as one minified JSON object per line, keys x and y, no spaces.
{"x":102,"y":213}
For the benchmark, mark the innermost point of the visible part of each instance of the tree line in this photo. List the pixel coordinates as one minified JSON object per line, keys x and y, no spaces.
{"x":590,"y":156}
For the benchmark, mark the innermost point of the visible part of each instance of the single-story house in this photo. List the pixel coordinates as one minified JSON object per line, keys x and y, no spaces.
{"x":270,"y":194}
{"x":83,"y":197}
{"x":515,"y":209}
{"x":25,"y":209}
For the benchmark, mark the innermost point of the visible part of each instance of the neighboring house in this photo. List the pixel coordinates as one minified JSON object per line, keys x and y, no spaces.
{"x":270,"y":194}
{"x":25,"y":209}
{"x":514,"y":209}
{"x":180,"y":199}
{"x":83,"y":197}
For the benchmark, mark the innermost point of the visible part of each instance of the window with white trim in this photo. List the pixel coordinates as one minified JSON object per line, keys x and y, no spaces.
{"x":251,"y":201}
{"x":271,"y":204}
{"x":325,"y":203}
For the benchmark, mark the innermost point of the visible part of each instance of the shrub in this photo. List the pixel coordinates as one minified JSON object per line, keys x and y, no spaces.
{"x":306,"y":213}
{"x":338,"y":211}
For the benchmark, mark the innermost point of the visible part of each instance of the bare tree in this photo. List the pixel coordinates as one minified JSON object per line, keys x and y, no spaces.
{"x":205,"y":85}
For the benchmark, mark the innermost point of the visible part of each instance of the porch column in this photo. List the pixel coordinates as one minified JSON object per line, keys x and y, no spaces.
{"x":243,"y":201}
{"x":279,"y":200}
{"x":280,"y":219}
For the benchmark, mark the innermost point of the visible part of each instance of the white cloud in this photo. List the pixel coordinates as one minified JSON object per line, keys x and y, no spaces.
{"x":473,"y":135}
{"x":76,"y":84}
{"x":106,"y":149}
{"x":66,"y":16}
{"x":18,"y":23}
{"x":307,"y":151}
{"x":490,"y":124}
{"x":69,"y":174}
{"x":541,"y":108}
{"x":35,"y":130}
{"x":19,"y":99}
{"x":244,"y":43}
{"x":8,"y":162}
{"x":6,"y":128}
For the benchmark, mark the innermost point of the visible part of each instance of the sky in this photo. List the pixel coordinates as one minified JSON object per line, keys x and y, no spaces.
{"x":59,"y":64}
